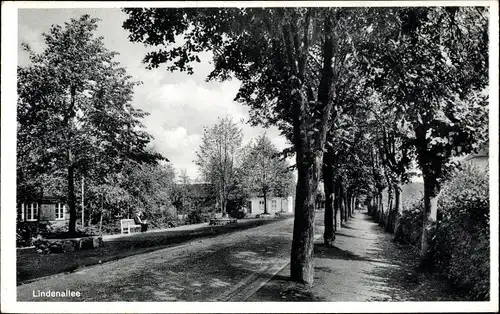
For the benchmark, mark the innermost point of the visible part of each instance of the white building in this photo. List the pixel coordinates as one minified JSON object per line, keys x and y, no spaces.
{"x":274,"y":205}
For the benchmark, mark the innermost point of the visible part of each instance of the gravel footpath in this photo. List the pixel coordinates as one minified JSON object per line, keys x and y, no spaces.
{"x":364,"y":265}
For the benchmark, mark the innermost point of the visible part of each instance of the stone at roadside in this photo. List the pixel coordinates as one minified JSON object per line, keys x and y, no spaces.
{"x":39,"y":251}
{"x":97,"y":242}
{"x":86,"y":243}
{"x":76,"y":244}
{"x":55,"y":248}
{"x":68,"y":246}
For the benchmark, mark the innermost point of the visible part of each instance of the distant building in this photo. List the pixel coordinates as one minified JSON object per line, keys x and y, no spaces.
{"x":274,"y":205}
{"x":47,"y":209}
{"x":479,"y":160}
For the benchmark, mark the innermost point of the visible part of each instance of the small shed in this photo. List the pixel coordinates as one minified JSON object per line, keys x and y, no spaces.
{"x":46,"y":209}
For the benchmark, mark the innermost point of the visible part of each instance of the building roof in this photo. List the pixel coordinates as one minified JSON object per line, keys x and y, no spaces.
{"x":484,"y":151}
{"x":198,"y":189}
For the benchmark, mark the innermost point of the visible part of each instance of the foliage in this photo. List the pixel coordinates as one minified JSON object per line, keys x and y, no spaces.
{"x":196,"y":217}
{"x":432,"y":75}
{"x":74,"y":110}
{"x":218,"y":157}
{"x":237,"y":213}
{"x":460,"y":240}
{"x":462,"y":244}
{"x":27,"y":231}
{"x":180,"y":194}
{"x":263,"y":172}
{"x":163,"y":218}
{"x":138,"y":186}
{"x":431,"y":72}
{"x":371,"y":89}
{"x":411,"y":223}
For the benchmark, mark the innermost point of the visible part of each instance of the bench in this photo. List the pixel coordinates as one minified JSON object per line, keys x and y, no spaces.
{"x":129,"y":225}
{"x":222,"y":221}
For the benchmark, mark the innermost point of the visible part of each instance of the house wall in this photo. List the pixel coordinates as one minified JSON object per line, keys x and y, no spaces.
{"x":42,"y":211}
{"x":480,"y":162}
{"x":282,"y":205}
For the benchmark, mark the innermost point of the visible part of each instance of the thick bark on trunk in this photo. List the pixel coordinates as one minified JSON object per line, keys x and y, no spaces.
{"x":301,"y":266}
{"x":397,"y":213}
{"x":336,"y":207}
{"x":380,"y":208}
{"x":265,"y":202}
{"x":369,"y":204}
{"x":71,"y":199}
{"x":309,"y":156}
{"x":431,"y":192}
{"x":353,"y":207}
{"x":329,"y":234}
{"x":348,"y":205}
{"x":344,"y":204}
{"x":390,"y":212}
{"x":341,"y":205}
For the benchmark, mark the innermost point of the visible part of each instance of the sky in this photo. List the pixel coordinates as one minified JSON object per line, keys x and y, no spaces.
{"x":180,"y":105}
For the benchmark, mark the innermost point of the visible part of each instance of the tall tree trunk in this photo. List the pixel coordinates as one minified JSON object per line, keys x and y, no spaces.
{"x":354,"y":204}
{"x":397,"y":212}
{"x":309,"y":157}
{"x":100,"y":218}
{"x":347,"y":202}
{"x":301,"y":266}
{"x":336,"y":207}
{"x":431,"y":191}
{"x":340,"y":203}
{"x":380,"y":207}
{"x":71,"y":199}
{"x":389,"y":211}
{"x":329,"y":234}
{"x":344,"y":201}
{"x":265,"y":202}
{"x":350,"y":205}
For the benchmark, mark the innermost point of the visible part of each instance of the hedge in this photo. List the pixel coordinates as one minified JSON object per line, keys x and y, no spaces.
{"x":462,"y":244}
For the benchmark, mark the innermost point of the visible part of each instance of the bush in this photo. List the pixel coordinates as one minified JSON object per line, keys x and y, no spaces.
{"x":410,"y":224}
{"x":111,"y":228}
{"x":195,"y":217}
{"x":27,"y":231}
{"x":461,"y":248}
{"x":234,"y":205}
{"x":237,"y":213}
{"x":460,"y":240}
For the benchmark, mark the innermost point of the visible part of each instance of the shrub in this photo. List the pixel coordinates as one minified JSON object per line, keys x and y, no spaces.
{"x":461,"y":248}
{"x":194,"y":217}
{"x":27,"y":231}
{"x":111,"y":228}
{"x":410,"y":224}
{"x":237,"y":213}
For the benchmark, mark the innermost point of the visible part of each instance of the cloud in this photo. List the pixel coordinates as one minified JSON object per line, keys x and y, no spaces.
{"x":178,"y":146}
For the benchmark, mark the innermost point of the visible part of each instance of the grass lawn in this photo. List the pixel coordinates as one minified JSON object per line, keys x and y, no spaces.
{"x":31,"y":265}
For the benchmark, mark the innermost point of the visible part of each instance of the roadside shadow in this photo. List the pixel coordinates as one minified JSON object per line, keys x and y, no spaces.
{"x":349,"y":227}
{"x":349,"y":236}
{"x":282,"y":289}
{"x":336,"y":253}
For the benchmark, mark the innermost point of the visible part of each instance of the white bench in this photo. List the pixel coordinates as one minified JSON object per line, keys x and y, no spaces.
{"x":128,"y":225}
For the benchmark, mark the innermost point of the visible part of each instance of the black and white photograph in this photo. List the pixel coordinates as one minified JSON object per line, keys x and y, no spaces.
{"x":297,"y":156}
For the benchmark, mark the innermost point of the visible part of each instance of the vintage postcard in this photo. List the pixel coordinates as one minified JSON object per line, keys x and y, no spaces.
{"x":249,"y":156}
